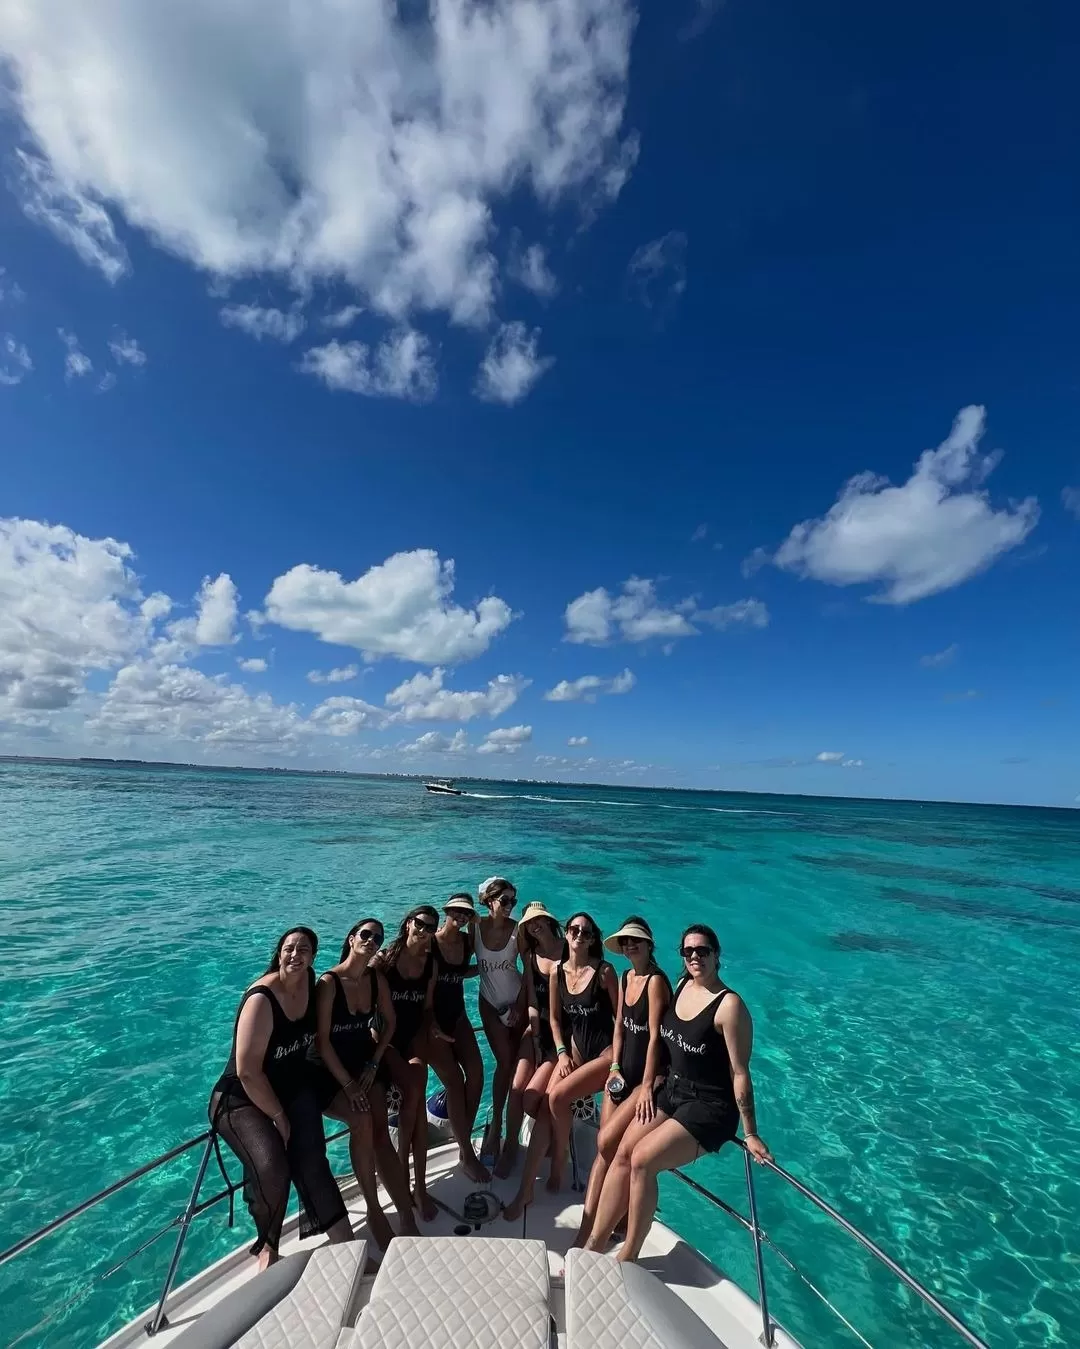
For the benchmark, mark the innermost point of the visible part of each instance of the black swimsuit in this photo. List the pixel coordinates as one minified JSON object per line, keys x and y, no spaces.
{"x":352,"y":1037}
{"x":285,"y":1061}
{"x":545,"y":1040}
{"x":587,"y":1017}
{"x":450,"y":987}
{"x":409,"y":997}
{"x":699,"y":1093}
{"x":635,"y":1045}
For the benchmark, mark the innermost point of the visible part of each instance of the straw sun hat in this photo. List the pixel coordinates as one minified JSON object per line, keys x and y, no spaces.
{"x":460,"y":902}
{"x":535,"y":909}
{"x":629,"y":929}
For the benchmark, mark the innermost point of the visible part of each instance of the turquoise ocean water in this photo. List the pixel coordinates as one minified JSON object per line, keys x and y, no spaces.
{"x":911,"y":969}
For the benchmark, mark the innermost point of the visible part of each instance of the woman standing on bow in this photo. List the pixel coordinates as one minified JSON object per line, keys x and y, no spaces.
{"x":355,"y":1026}
{"x":709,"y":1036}
{"x":498,"y":946}
{"x":264,"y":1107}
{"x":583,"y":995}
{"x":542,"y":939}
{"x":408,"y":966}
{"x":452,"y":1048}
{"x":637,"y":1054}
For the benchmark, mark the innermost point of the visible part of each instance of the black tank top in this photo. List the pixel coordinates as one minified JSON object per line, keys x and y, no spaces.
{"x":450,"y":986}
{"x":285,"y":1060}
{"x":587,"y":1017}
{"x":408,"y":997}
{"x":698,"y":1051}
{"x":635,"y":1025}
{"x":352,"y":1034}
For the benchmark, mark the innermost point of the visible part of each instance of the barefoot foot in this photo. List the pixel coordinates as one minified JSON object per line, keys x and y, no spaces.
{"x":429,"y":1210}
{"x":474,"y":1168}
{"x":553,"y":1183}
{"x":517,"y":1206}
{"x":507,"y":1158}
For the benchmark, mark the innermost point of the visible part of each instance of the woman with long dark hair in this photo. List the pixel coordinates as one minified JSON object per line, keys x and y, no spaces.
{"x":501,"y":995}
{"x":452,"y":1048}
{"x":264,"y":1107}
{"x":709,"y":1037}
{"x":542,"y":940}
{"x":583,"y":995}
{"x":355,"y":1025}
{"x":409,"y":969}
{"x":636,"y":1053}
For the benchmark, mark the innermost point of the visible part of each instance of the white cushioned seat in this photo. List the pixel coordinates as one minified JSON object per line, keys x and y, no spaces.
{"x":457,"y":1293}
{"x":312,"y":1315}
{"x":614,"y":1306}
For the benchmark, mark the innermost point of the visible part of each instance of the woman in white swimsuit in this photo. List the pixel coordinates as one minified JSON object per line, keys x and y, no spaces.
{"x":498,"y":945}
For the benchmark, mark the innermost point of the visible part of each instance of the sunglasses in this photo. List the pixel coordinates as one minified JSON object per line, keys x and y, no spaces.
{"x":630,"y":941}
{"x":577,"y":930}
{"x":506,"y":900}
{"x":696,"y":952}
{"x":423,"y":926}
{"x":370,"y":936}
{"x":458,"y":915}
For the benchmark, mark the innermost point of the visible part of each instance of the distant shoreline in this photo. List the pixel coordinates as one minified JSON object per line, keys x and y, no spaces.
{"x":88,"y":762}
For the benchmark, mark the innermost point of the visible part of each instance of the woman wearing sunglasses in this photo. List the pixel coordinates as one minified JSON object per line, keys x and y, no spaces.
{"x":637,"y":1055}
{"x":409,"y":969}
{"x":264,"y":1107}
{"x":355,"y":1021}
{"x":498,"y":945}
{"x":542,"y":938}
{"x":452,"y":1048}
{"x":709,"y":1035}
{"x":583,"y":995}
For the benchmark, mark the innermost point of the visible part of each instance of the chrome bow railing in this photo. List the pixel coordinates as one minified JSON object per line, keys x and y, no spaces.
{"x":750,"y":1223}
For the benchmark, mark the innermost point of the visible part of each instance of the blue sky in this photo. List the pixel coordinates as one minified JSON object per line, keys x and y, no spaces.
{"x":544,"y":345}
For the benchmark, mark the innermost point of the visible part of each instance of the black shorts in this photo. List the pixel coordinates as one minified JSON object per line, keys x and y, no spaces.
{"x":711,"y":1119}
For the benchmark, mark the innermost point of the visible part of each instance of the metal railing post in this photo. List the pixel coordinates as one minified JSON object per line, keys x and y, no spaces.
{"x":759,"y":1261}
{"x":158,"y":1319}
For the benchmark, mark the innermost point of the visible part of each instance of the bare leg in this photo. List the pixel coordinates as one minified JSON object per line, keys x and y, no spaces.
{"x":668,"y":1146}
{"x":515,"y":1109}
{"x":362,"y":1156}
{"x":614,"y":1121}
{"x":472,"y":1065}
{"x":538,"y":1146}
{"x":504,"y":1041}
{"x":389,"y":1163}
{"x":562,"y":1093}
{"x":614,"y":1197}
{"x":441,"y":1057}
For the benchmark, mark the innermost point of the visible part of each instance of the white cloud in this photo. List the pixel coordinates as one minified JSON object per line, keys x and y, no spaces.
{"x":852,"y":763}
{"x":760,"y":557}
{"x":589,"y":687}
{"x":531,"y":270}
{"x":434,"y":742}
{"x":423,"y":698}
{"x":402,"y":366}
{"x":366,"y":144}
{"x":932,"y":533}
{"x":126,"y":351}
{"x":57,"y":200}
{"x":830,"y":756}
{"x":399,"y":608}
{"x":577,"y":740}
{"x":637,"y":615}
{"x":68,"y":605}
{"x":17,"y":363}
{"x":507,"y":740}
{"x":748,"y":613}
{"x":344,"y":317}
{"x":833,"y":758}
{"x":702,"y":532}
{"x":1070,"y":499}
{"x":260,"y":322}
{"x":107,"y":382}
{"x":511,"y":365}
{"x":341,"y":674}
{"x":215,"y":622}
{"x":10,"y":291}
{"x":937,"y":659}
{"x":253,"y":665}
{"x":76,"y":363}
{"x":346,"y":716}
{"x":658,"y":271}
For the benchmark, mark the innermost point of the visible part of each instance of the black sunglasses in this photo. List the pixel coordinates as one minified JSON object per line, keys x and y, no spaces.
{"x":422,"y":925}
{"x":702,"y":952}
{"x":578,"y":930}
{"x":370,"y":936}
{"x":631,"y":941}
{"x":507,"y":899}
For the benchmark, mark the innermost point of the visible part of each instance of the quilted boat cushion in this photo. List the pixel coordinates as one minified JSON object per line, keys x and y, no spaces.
{"x":613,"y":1306}
{"x":311,"y":1316}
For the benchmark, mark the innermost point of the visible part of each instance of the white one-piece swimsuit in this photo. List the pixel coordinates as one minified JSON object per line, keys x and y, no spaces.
{"x":500,"y":978}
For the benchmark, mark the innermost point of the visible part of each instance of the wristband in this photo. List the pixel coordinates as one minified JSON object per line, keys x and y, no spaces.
{"x":561,"y":1049}
{"x":614,"y":1067}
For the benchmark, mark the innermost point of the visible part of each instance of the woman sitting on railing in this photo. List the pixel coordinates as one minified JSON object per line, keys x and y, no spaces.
{"x":355,"y":1025}
{"x":709,"y":1035}
{"x":583,"y":996}
{"x":409,"y":968}
{"x":637,"y":1054}
{"x":454,"y":1054}
{"x":542,"y":938}
{"x":264,"y":1107}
